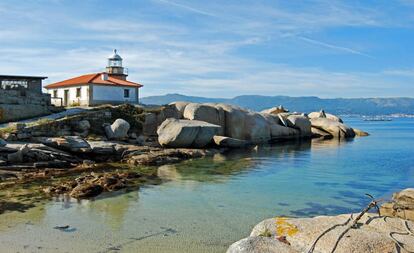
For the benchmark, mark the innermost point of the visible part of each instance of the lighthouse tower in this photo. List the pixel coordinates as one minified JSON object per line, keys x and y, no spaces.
{"x":114,"y":67}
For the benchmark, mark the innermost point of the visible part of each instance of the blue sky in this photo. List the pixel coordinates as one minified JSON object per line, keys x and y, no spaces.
{"x":219,"y":48}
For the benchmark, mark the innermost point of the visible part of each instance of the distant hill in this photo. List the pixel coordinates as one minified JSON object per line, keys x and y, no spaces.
{"x":361,"y":106}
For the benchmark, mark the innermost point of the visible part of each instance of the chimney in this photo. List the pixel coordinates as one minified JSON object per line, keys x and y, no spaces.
{"x":104,"y":76}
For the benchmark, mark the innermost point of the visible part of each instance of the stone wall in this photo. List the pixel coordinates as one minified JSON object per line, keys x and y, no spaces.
{"x":71,"y":125}
{"x":23,"y":104}
{"x":66,"y":126}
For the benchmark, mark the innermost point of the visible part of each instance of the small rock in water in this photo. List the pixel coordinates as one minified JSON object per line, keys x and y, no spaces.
{"x":61,"y":227}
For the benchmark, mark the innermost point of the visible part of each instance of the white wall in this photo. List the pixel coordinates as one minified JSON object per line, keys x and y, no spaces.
{"x":83,"y":99}
{"x":113,"y":93}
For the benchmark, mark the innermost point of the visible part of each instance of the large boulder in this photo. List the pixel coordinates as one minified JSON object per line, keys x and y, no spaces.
{"x":402,"y":205}
{"x":257,"y":129}
{"x":102,"y":147}
{"x":180,"y":107}
{"x":235,"y":118}
{"x":244,"y":125}
{"x":272,"y":118}
{"x":150,"y":124}
{"x":283,"y":118}
{"x":323,"y":114}
{"x":300,"y":122}
{"x":227,"y":142}
{"x":335,"y":128}
{"x":152,"y":120}
{"x":18,"y":156}
{"x":277,"y":128}
{"x":82,"y":126}
{"x":318,"y":133}
{"x":186,"y":133}
{"x":169,"y":111}
{"x":118,"y":130}
{"x":299,"y":234}
{"x":68,"y":143}
{"x":205,"y":112}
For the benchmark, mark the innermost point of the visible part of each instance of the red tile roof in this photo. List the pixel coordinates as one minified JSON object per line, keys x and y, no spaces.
{"x":93,"y":79}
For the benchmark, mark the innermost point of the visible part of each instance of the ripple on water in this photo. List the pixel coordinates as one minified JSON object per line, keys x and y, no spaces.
{"x":205,"y":205}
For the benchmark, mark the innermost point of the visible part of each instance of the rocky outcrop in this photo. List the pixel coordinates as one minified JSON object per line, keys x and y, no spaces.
{"x":257,"y":129}
{"x":205,"y":112}
{"x":158,"y":156}
{"x":86,"y":191}
{"x":323,"y":114}
{"x":278,"y":130}
{"x":245,"y":125}
{"x":66,"y":126}
{"x":301,"y":123}
{"x":18,"y":157}
{"x":118,"y":130}
{"x":234,"y":121}
{"x":186,"y":133}
{"x":82,"y":127}
{"x":154,"y":117}
{"x":74,"y":144}
{"x":93,"y":184}
{"x":359,"y":132}
{"x":318,"y":133}
{"x":269,"y":125}
{"x":402,"y":205}
{"x":180,"y":107}
{"x":327,"y":126}
{"x":299,"y":234}
{"x":33,"y":156}
{"x":260,"y":244}
{"x":275,"y":110}
{"x":334,"y":128}
{"x":227,"y":142}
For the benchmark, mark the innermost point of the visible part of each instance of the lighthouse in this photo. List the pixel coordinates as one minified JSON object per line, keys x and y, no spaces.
{"x":115,"y":68}
{"x":108,"y":87}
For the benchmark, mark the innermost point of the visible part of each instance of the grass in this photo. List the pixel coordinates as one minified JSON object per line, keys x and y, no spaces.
{"x":7,"y":130}
{"x":39,"y":122}
{"x":12,"y":128}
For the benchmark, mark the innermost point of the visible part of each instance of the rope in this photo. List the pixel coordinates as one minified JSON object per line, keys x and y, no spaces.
{"x":372,"y":204}
{"x":408,"y":232}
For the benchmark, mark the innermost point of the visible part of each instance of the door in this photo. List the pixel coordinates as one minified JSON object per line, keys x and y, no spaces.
{"x":65,"y":97}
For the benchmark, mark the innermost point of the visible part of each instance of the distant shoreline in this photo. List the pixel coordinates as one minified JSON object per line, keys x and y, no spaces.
{"x":388,"y":107}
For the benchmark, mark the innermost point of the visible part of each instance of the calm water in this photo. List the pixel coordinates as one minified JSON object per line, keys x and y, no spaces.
{"x":205,"y":205}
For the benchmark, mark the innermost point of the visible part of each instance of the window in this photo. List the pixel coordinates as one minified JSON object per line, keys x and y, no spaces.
{"x":78,"y":92}
{"x":126,"y":93}
{"x":55,"y":93}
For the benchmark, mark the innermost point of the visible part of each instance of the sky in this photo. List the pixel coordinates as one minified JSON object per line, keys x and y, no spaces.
{"x":218,"y":48}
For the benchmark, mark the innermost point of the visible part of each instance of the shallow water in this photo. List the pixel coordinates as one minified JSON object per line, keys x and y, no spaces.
{"x":204,"y":205}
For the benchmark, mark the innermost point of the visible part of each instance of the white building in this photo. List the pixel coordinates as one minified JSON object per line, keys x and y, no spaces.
{"x":109,"y":87}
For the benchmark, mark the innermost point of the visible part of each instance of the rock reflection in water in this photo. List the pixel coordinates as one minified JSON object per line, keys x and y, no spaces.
{"x":239,"y":161}
{"x":331,"y":143}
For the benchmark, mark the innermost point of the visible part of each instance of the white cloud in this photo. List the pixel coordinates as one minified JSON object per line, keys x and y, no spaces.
{"x":186,"y":7}
{"x":197,"y":58}
{"x":334,"y":47}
